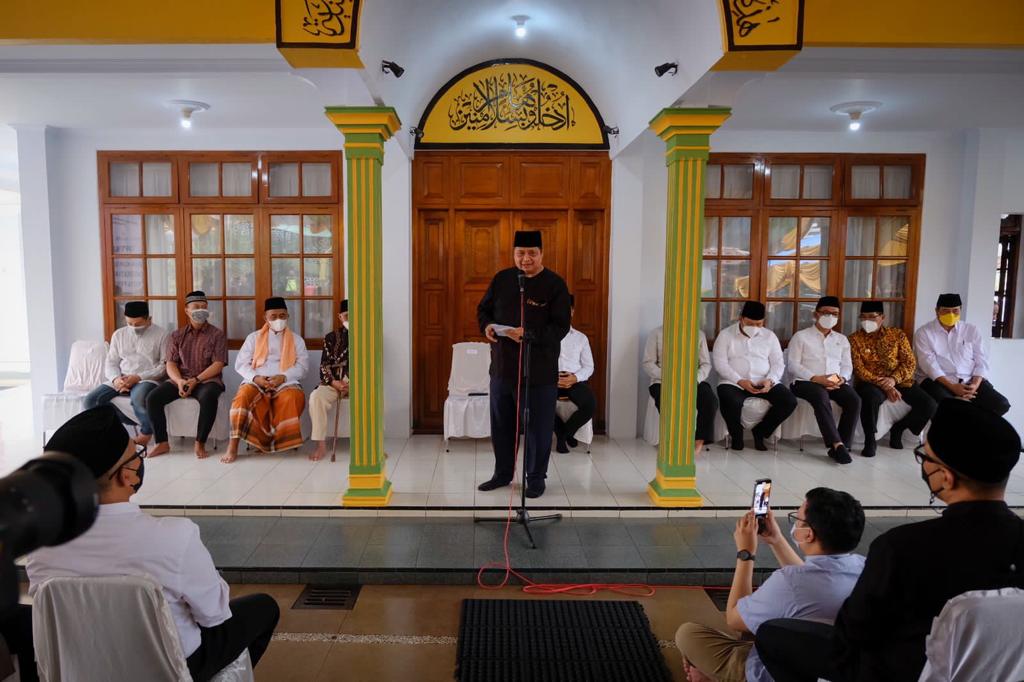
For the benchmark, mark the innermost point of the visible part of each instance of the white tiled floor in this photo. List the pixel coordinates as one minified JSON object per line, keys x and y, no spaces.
{"x":615,"y":474}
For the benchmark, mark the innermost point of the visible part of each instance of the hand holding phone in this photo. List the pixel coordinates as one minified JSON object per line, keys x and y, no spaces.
{"x":762,"y":501}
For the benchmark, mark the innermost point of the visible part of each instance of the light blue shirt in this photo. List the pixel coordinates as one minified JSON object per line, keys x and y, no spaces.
{"x":813,"y":591}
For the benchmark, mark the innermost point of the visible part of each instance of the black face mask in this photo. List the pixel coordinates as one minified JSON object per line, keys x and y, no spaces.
{"x":140,"y":472}
{"x":927,"y":481}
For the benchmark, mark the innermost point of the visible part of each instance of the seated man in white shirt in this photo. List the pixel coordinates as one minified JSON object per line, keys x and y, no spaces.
{"x":126,"y":541}
{"x":707,"y":403}
{"x":135,"y":365}
{"x":575,"y":366}
{"x":821,"y":367}
{"x":268,"y":406}
{"x":748,"y":360}
{"x":952,"y":361}
{"x":827,"y":529}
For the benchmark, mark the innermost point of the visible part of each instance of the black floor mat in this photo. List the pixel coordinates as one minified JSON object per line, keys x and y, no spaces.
{"x":506,"y":640}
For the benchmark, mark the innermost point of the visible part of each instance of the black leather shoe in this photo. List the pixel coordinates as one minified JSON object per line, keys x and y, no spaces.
{"x":759,"y":442}
{"x":735,"y":443}
{"x":869,"y":450}
{"x":896,"y":439}
{"x":560,"y":446}
{"x":840,"y":455}
{"x":571,"y":442}
{"x":492,"y":484}
{"x":535,"y":489}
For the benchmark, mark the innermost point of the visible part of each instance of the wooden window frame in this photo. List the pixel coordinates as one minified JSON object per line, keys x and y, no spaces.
{"x":220,"y":158}
{"x":803,"y":160}
{"x":104,"y":159}
{"x":916,"y":163}
{"x":1009,"y":233}
{"x":333,"y":158}
{"x":731,"y":159}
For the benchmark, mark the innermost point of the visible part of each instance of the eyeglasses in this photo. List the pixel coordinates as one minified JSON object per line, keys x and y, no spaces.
{"x":921,"y":456}
{"x":140,"y":454}
{"x":793,"y":518}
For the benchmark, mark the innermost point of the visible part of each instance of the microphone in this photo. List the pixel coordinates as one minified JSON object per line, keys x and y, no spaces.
{"x":521,"y":276}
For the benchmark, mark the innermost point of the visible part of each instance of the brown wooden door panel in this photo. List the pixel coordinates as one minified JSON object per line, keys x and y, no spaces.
{"x":481,"y":181}
{"x":591,"y":183}
{"x":433,"y":182}
{"x":540,"y":181}
{"x":480,"y":251}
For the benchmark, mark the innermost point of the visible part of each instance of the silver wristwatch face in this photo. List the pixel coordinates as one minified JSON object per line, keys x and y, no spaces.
{"x":744,"y":555}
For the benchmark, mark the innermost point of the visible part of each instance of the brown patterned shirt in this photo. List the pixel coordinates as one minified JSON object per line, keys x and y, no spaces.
{"x":193,"y":350}
{"x":886,"y":353}
{"x":334,"y":359}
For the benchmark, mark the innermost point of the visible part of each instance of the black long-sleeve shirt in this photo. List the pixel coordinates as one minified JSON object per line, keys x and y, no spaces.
{"x":547,"y":322}
{"x":910,"y":574}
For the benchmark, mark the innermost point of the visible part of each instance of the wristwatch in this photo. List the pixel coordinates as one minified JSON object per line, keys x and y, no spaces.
{"x":744,"y":555}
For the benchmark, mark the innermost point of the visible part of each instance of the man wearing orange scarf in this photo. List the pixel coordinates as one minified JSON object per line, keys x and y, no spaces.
{"x":266,"y":410}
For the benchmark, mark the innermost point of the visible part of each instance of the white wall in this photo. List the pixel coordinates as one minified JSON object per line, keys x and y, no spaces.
{"x":396,"y":191}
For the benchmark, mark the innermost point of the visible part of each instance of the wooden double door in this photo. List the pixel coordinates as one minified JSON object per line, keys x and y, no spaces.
{"x":467,"y":206}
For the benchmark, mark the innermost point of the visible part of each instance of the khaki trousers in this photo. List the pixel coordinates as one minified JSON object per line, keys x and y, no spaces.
{"x":714,"y":653}
{"x":321,"y":400}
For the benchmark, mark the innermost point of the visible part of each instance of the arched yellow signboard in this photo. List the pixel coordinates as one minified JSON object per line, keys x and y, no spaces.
{"x":511,"y":103}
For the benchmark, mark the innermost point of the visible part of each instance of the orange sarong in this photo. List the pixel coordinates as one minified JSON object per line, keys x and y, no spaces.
{"x":268,"y":421}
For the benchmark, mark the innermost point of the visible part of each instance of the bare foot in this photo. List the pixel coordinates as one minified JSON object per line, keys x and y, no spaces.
{"x":160,"y":449}
{"x":318,"y":454}
{"x":143,"y":438}
{"x":200,"y":450}
{"x":229,"y":457}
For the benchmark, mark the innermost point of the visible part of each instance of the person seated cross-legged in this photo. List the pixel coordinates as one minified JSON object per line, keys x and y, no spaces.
{"x":575,"y":366}
{"x":333,"y":383}
{"x":266,"y":410}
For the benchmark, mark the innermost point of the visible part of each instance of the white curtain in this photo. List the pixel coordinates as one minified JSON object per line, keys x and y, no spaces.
{"x":739,"y":182}
{"x":316,"y":179}
{"x":202,"y":179}
{"x":156,"y":179}
{"x":785,"y":182}
{"x":817,"y":182}
{"x":237,"y":179}
{"x":896,"y":182}
{"x":124,"y":179}
{"x":865,"y":182}
{"x":284,"y":179}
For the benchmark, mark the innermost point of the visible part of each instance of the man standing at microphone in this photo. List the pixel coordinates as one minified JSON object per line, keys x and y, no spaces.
{"x":501,"y":313}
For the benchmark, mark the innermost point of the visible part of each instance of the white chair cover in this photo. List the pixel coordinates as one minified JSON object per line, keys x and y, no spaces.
{"x":977,"y":636}
{"x":112,"y":628}
{"x":754,"y":410}
{"x":565,"y":409}
{"x":85,"y":372}
{"x":465,"y":415}
{"x":652,"y":423}
{"x":183,"y":418}
{"x":802,"y":422}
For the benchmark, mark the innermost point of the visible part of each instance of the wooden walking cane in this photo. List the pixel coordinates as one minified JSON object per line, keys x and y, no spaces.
{"x":337,"y":416}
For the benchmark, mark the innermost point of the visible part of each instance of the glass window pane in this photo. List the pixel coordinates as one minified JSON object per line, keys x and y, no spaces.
{"x":318,"y":278}
{"x":237,"y":179}
{"x":206,"y":276}
{"x":284,"y":276}
{"x":781,"y":274}
{"x":817,"y":182}
{"x":860,"y":236}
{"x":728,"y":313}
{"x":708,"y":310}
{"x":284,"y":179}
{"x":710,"y":236}
{"x":318,"y":318}
{"x":156,"y":179}
{"x":217,"y":315}
{"x":858,"y":279}
{"x":709,"y":279}
{"x":893,"y":233}
{"x":241,"y":319}
{"x":814,"y":236}
{"x":205,"y":234}
{"x":805,"y":312}
{"x":782,"y":236}
{"x":736,"y":236}
{"x":124,"y":179}
{"x":896,"y":182}
{"x":813,"y":278}
{"x":894,"y":314}
{"x":785,"y":182}
{"x":316,"y":179}
{"x":864,"y":181}
{"x":128,"y":277}
{"x":779,"y":318}
{"x":850,"y":319}
{"x":241,"y":274}
{"x":284,"y":234}
{"x":316,"y":234}
{"x":161,"y":277}
{"x":712,"y":181}
{"x":294,"y":315}
{"x":238,"y":235}
{"x":126,"y":231}
{"x":202,"y":180}
{"x":735,"y":278}
{"x":164,"y":313}
{"x":892,"y":279}
{"x":159,"y":234}
{"x":739,"y":182}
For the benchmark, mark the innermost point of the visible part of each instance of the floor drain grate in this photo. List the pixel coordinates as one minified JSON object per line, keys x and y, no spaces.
{"x":332,"y":597}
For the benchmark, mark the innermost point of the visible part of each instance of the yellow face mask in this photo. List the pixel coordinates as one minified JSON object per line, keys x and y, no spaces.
{"x":949,"y":319}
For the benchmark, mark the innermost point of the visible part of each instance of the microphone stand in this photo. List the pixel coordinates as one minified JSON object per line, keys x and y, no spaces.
{"x":522,"y":514}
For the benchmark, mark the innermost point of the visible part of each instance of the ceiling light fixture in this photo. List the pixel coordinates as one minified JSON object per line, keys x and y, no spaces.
{"x":854,"y":110}
{"x":392,"y":68}
{"x":187,"y":107}
{"x":662,"y":69}
{"x":520,"y":20}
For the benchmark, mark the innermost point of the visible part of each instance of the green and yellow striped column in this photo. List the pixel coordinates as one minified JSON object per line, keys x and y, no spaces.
{"x":365,"y":130}
{"x":687,"y":134}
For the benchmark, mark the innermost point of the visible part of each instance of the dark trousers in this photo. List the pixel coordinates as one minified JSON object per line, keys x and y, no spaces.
{"x":503,"y":428}
{"x":252,"y":623}
{"x":798,"y":651}
{"x":988,"y":397}
{"x":167,"y":392}
{"x":103,"y":394}
{"x":583,"y":398}
{"x":731,"y":398}
{"x":922,"y":407}
{"x":707,"y":406}
{"x":16,"y":629}
{"x":821,"y":400}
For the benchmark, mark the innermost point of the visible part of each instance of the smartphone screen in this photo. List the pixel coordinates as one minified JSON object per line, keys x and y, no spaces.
{"x":762,"y":496}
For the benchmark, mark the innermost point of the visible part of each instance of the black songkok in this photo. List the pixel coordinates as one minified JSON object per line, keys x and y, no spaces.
{"x":527,"y":239}
{"x":753,"y":310}
{"x":343,"y":308}
{"x":948,"y":301}
{"x":136,"y":309}
{"x":872,"y":307}
{"x":977,"y":443}
{"x":195,"y":297}
{"x":827,"y":302}
{"x":95,"y":437}
{"x":274,"y":303}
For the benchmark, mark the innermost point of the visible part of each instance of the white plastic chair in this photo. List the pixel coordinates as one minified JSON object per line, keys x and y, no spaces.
{"x":652,"y":423}
{"x":85,"y":372}
{"x":467,"y":409}
{"x":112,"y":628}
{"x":183,"y":418}
{"x":753,"y":411}
{"x":977,"y":636}
{"x":565,"y":408}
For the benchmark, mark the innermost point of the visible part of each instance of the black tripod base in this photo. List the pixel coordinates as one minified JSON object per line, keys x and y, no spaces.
{"x":523,"y":518}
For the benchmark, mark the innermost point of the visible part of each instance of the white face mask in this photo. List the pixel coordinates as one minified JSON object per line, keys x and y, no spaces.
{"x":139,"y":331}
{"x":278,"y":325}
{"x":345,"y":324}
{"x":828,"y":321}
{"x":792,"y":534}
{"x":752,"y":332}
{"x":869,"y":326}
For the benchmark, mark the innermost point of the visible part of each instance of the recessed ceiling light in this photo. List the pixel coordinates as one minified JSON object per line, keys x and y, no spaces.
{"x":187,"y":107}
{"x":854,"y":110}
{"x":520,"y":20}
